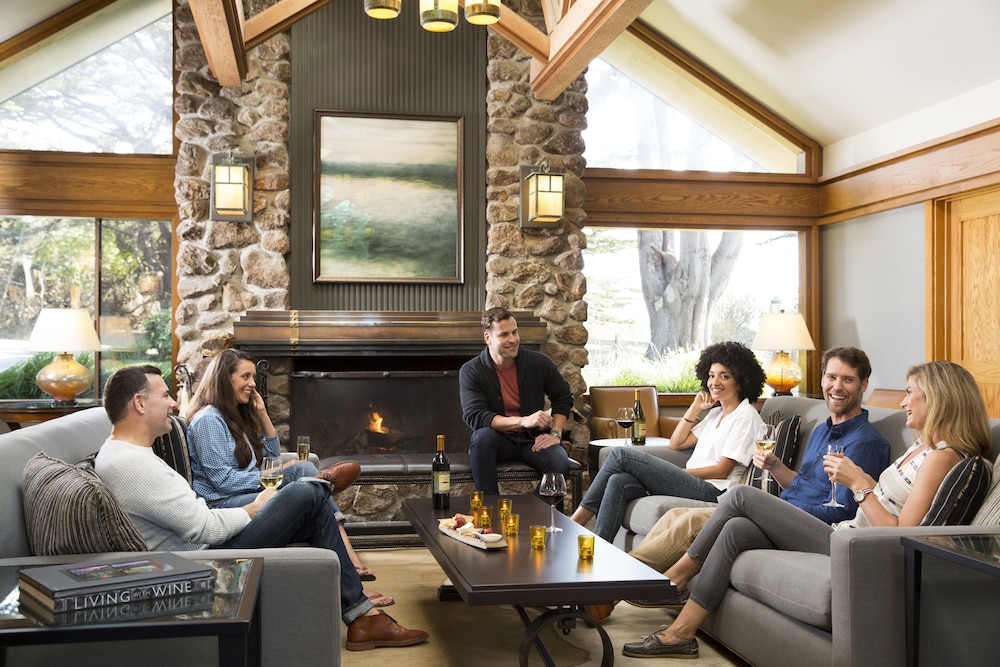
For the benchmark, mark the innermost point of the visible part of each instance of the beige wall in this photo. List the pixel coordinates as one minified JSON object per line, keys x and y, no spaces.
{"x":872,"y":289}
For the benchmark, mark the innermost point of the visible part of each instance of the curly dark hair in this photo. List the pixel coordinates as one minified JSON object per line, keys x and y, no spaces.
{"x":740,"y":361}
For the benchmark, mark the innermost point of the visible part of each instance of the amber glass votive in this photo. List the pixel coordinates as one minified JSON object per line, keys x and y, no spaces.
{"x":503,"y":509}
{"x":475,"y":503}
{"x":485,"y":517}
{"x":538,"y":537}
{"x":585,"y":545}
{"x":511,"y":524}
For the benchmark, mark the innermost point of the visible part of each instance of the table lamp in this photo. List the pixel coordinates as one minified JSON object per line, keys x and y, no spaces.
{"x":780,"y":332}
{"x":65,"y":331}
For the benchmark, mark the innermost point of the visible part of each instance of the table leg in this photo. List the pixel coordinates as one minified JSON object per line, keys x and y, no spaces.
{"x":566,"y":618}
{"x":912,"y":564}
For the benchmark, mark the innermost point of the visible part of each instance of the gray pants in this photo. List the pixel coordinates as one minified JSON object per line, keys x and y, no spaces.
{"x":748,"y":518}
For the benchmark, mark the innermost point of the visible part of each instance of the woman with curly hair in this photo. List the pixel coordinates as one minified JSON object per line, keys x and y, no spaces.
{"x":723,"y":443}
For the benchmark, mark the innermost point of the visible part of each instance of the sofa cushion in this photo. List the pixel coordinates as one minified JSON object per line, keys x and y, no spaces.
{"x":69,"y":510}
{"x":795,"y":583}
{"x":989,"y":512}
{"x":960,"y":494}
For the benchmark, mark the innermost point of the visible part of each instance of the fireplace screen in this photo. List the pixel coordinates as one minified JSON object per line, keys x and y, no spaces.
{"x":378,"y":412}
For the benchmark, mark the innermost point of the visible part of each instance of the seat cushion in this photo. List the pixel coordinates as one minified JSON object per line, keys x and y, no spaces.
{"x":642,"y":514}
{"x":795,"y":583}
{"x":69,"y":510}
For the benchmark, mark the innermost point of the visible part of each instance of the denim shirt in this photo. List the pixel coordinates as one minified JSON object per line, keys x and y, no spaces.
{"x":215,"y":472}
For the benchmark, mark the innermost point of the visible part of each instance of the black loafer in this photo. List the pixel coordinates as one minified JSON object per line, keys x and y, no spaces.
{"x":652,"y":647}
{"x":675,"y":602}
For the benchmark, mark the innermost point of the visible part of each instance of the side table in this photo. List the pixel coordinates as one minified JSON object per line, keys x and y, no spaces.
{"x":25,"y":413}
{"x":595,"y":447}
{"x":234,"y":619}
{"x":977,"y":552}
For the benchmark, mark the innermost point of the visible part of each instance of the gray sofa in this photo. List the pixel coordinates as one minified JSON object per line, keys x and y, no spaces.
{"x":299,"y":587}
{"x":791,"y":608}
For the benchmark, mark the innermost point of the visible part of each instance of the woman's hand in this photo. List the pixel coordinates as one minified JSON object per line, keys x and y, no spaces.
{"x":702,"y":401}
{"x":843,"y":470}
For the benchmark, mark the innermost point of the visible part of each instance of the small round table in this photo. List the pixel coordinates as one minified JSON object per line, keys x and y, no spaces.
{"x":595,"y":446}
{"x":25,"y":413}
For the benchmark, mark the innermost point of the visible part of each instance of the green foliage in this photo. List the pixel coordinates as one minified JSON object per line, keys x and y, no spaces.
{"x":158,"y":332}
{"x":671,"y":373}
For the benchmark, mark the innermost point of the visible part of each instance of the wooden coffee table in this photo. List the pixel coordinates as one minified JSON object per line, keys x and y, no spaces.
{"x":554,"y":578}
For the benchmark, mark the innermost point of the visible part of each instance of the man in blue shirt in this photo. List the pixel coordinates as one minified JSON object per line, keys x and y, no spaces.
{"x":845,"y":379}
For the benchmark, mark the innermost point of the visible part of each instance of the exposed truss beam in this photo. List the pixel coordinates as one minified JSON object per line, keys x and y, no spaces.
{"x":25,"y":42}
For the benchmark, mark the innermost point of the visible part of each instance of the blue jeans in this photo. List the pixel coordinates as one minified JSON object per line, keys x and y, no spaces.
{"x":292,"y":473}
{"x":629,"y":473}
{"x":748,"y":518}
{"x":303,"y":512}
{"x":489,"y":447}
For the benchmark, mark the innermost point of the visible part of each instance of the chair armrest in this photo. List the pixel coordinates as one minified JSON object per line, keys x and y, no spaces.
{"x":667,"y":425}
{"x":603,"y":428}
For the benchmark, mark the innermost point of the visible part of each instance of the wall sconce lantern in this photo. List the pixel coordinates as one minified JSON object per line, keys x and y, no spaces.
{"x":485,"y":12}
{"x":542,"y":197}
{"x":438,"y":15}
{"x":383,"y":9}
{"x":782,"y":331}
{"x":231,"y":196}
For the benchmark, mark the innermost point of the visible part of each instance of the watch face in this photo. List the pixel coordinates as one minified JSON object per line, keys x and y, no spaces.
{"x":861,"y":495}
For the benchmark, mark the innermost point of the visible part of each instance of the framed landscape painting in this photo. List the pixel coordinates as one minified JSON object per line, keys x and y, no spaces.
{"x":387,"y":198}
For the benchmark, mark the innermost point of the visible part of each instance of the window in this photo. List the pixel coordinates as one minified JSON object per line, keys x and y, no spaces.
{"x":49,"y":262}
{"x":117,"y":99}
{"x":657,"y":296}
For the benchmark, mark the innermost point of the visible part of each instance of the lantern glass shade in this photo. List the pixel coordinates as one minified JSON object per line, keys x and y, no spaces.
{"x":231,"y":196}
{"x":782,"y":332}
{"x":438,"y":15}
{"x":383,"y":9}
{"x":486,"y":12}
{"x":64,"y":331}
{"x":542,"y":197}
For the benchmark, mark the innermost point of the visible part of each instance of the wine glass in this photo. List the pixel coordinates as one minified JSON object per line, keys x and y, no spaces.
{"x":552,"y":489}
{"x":834,"y":450}
{"x":302,"y":447}
{"x":765,"y":445}
{"x":271,"y":472}
{"x":625,"y":418}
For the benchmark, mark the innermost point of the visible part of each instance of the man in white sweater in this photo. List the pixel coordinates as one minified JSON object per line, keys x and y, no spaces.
{"x":171,"y":517}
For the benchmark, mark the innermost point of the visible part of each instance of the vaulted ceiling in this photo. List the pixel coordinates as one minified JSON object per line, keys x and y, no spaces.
{"x":836,"y":69}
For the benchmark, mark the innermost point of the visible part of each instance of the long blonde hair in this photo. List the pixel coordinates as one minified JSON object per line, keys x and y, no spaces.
{"x":956,"y":411}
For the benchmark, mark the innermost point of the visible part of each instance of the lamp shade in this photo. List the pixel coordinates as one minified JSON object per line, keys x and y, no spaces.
{"x":383,"y":9}
{"x":438,"y":15}
{"x":783,"y":331}
{"x":484,"y":12}
{"x":231,"y":195}
{"x":64,"y":330}
{"x":542,"y":197}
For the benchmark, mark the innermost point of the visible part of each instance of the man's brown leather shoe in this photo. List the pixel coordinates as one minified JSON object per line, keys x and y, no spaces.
{"x":599,"y":612}
{"x":378,"y":631}
{"x":341,"y":475}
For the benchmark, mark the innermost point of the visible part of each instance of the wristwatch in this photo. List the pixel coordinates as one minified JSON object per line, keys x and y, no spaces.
{"x":556,"y":432}
{"x":860,"y":495}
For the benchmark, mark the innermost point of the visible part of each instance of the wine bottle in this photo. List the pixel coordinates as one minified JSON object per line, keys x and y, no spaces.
{"x":639,"y":425}
{"x":441,"y":468}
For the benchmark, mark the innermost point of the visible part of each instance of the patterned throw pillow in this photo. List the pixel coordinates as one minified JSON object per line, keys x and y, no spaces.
{"x":961,"y":493}
{"x":69,"y":510}
{"x":786,"y":446}
{"x":172,"y":448}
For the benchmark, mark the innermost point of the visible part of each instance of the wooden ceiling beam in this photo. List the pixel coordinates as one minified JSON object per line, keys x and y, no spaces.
{"x":220,"y":24}
{"x":276,"y":18}
{"x":585,"y":30}
{"x":25,"y":42}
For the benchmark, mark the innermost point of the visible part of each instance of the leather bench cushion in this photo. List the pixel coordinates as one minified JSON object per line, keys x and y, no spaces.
{"x":795,"y":583}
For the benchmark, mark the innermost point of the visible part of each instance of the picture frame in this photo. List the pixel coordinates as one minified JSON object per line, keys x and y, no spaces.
{"x":387,"y":198}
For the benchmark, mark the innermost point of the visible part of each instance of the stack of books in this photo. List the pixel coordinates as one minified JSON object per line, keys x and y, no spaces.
{"x":129,"y":587}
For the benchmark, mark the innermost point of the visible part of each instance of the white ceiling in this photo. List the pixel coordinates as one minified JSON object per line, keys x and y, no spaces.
{"x":837,"y":69}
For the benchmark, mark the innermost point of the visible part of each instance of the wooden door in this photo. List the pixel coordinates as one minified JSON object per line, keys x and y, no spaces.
{"x":963,"y":282}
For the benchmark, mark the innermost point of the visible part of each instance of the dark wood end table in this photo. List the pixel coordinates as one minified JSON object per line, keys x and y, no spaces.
{"x":25,"y":413}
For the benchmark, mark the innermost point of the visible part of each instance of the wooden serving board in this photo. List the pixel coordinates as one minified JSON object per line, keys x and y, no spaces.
{"x":470,"y":540}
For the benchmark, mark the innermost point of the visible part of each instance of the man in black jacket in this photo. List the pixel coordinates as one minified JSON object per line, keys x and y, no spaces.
{"x":503,"y":392}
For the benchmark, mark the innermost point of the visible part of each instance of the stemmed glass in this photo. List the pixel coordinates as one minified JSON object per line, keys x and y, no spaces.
{"x":271,"y":472}
{"x":625,"y":418}
{"x":834,"y":450}
{"x":765,"y":445}
{"x":552,"y":489}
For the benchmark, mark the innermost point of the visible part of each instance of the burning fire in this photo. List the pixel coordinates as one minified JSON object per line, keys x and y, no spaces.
{"x":375,"y":423}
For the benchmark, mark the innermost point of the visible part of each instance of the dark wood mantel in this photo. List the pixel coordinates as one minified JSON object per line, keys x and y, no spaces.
{"x":369,"y":333}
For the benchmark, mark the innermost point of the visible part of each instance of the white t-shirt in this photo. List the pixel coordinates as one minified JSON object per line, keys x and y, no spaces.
{"x":732,"y":437}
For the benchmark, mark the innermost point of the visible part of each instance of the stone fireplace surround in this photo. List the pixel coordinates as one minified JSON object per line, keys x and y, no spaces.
{"x":329,"y":371}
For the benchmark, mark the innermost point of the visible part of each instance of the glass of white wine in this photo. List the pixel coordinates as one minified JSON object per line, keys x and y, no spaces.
{"x":271,"y":472}
{"x":765,"y":445}
{"x":302,"y":447}
{"x":834,"y":450}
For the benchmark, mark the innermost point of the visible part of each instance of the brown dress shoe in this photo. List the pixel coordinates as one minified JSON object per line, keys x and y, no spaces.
{"x":380,"y":630}
{"x":599,"y":612}
{"x":341,"y":475}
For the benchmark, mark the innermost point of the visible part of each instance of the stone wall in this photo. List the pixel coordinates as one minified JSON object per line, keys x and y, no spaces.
{"x":224,"y":269}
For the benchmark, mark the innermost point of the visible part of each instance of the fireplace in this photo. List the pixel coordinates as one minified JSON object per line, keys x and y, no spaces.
{"x":374,"y":382}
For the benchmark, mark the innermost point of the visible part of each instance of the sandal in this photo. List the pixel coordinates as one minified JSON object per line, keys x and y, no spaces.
{"x":365,"y":574}
{"x":379,"y":600}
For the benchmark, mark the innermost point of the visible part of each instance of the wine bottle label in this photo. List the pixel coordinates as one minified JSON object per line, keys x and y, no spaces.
{"x":442,"y":482}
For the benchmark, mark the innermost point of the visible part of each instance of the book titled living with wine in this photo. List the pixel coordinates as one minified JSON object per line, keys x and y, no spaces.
{"x":119,"y":580}
{"x":174,"y":605}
